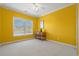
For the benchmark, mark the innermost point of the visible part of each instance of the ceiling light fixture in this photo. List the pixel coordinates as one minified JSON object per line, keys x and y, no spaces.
{"x":36,"y":7}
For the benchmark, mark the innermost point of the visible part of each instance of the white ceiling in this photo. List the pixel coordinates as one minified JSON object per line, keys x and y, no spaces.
{"x":27,"y":8}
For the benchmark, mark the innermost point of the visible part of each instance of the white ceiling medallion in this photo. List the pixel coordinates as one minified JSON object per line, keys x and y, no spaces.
{"x":37,"y":7}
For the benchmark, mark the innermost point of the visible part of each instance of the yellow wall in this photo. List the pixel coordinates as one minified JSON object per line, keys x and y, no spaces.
{"x":7,"y":25}
{"x":0,"y":24}
{"x":78,"y":29}
{"x":61,"y":25}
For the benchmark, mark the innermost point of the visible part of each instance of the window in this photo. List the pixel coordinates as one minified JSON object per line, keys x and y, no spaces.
{"x":22,"y":27}
{"x":41,"y":24}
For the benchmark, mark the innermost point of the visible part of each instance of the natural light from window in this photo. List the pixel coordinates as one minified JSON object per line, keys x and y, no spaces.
{"x":22,"y":26}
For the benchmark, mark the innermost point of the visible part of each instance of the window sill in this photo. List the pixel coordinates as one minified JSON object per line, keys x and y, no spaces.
{"x":23,"y":34}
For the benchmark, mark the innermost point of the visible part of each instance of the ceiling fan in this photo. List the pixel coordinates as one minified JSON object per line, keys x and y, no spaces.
{"x":37,"y":7}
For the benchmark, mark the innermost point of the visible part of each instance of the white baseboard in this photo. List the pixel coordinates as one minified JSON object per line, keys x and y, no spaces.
{"x":33,"y":38}
{"x":62,"y":43}
{"x":5,"y":43}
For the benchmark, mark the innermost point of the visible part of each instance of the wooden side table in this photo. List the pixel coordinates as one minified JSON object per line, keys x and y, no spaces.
{"x":40,"y":35}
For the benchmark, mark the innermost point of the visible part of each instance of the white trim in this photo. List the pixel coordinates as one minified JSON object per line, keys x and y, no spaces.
{"x":5,"y":43}
{"x":62,"y":43}
{"x":18,"y":11}
{"x":55,"y":10}
{"x":3,"y":6}
{"x":23,"y":34}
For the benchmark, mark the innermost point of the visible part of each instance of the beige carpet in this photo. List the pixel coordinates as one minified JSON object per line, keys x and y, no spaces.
{"x":36,"y":47}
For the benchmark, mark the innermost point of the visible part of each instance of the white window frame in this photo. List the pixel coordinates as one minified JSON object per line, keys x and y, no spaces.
{"x":41,"y":24}
{"x":20,"y":34}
